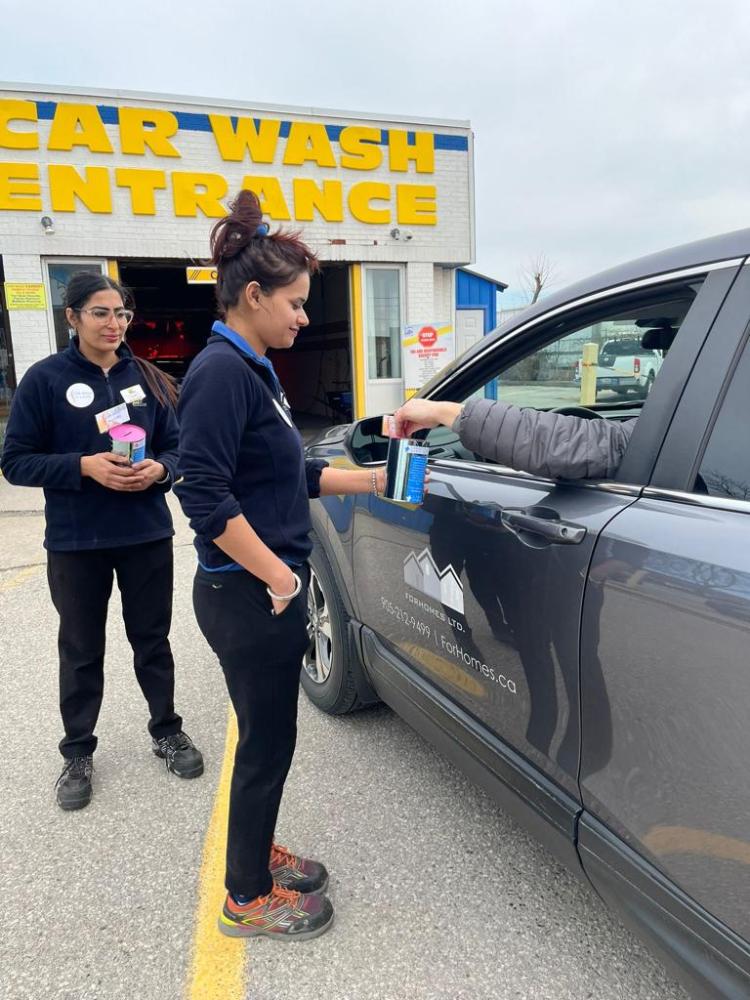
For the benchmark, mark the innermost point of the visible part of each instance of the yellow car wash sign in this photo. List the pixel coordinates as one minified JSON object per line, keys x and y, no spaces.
{"x":154,"y":140}
{"x":20,"y":295}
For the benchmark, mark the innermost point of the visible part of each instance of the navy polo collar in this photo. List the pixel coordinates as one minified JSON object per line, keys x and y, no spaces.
{"x":242,"y":345}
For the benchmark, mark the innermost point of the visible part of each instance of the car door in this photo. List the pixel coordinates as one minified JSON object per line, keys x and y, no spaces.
{"x":665,"y":644}
{"x":479,"y":592}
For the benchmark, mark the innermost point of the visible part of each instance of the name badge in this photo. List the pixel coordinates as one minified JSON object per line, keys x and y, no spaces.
{"x":112,"y":417}
{"x":282,"y":413}
{"x":79,"y":395}
{"x":133,"y":394}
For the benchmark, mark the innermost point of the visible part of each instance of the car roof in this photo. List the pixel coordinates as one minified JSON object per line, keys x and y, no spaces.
{"x":728,"y":246}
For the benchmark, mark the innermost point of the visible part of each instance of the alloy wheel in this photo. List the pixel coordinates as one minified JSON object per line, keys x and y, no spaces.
{"x":317,"y":660}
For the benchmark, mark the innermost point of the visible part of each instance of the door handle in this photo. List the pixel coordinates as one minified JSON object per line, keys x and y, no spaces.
{"x":546,"y":524}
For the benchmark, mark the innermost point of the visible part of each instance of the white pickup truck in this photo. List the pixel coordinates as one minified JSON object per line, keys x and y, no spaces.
{"x":626,"y":367}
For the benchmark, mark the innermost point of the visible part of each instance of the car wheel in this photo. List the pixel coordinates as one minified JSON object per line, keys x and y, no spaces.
{"x":326,"y":676}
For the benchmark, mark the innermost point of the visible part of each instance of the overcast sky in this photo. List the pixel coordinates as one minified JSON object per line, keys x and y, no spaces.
{"x":603,"y":130}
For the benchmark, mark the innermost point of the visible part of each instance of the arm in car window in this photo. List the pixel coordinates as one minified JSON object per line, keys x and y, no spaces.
{"x":549,"y":444}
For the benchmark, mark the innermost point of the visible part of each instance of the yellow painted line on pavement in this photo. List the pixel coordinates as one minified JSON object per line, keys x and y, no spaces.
{"x":18,"y":578}
{"x":218,"y":964}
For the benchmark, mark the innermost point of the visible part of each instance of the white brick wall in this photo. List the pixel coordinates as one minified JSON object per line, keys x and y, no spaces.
{"x":420,"y":293}
{"x":30,"y":328}
{"x":445,"y":279}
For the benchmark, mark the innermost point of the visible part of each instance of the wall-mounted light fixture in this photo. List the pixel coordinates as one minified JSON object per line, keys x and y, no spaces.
{"x":48,"y":225}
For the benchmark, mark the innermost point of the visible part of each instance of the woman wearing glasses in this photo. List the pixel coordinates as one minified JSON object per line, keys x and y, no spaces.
{"x":106,"y":514}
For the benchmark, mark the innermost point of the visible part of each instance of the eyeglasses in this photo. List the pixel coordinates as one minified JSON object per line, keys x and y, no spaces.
{"x":102,"y":315}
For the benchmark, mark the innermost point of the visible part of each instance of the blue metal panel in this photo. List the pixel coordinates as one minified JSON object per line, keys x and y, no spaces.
{"x":475,"y":292}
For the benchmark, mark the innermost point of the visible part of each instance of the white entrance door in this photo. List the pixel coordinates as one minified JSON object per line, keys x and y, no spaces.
{"x":469,"y":328}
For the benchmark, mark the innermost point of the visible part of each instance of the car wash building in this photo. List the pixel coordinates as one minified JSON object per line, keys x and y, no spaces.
{"x":130,"y":184}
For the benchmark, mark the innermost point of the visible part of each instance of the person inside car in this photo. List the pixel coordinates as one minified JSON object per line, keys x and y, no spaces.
{"x":544,"y":443}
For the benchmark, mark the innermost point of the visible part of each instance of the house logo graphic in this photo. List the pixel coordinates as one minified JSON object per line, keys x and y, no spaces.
{"x":421,"y":573}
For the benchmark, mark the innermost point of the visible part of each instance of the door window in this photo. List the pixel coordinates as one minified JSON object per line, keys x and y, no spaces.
{"x":383,"y":313}
{"x":59,"y":273}
{"x":7,"y":374}
{"x":631,"y":336}
{"x":725,"y":467}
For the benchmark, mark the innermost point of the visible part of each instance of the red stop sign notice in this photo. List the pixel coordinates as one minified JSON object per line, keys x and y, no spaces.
{"x":427,"y":336}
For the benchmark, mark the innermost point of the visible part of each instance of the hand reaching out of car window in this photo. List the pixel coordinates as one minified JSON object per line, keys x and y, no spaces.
{"x":420,"y":414}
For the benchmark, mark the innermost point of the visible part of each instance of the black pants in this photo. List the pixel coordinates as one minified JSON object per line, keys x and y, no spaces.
{"x":80,"y":584}
{"x":261,"y":655}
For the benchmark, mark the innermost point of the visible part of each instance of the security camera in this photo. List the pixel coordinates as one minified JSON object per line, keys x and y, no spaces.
{"x":396,"y":234}
{"x":406,"y":235}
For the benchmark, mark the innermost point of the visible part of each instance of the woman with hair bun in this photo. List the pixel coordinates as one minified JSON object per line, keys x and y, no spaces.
{"x":245,"y":487}
{"x":106,"y":515}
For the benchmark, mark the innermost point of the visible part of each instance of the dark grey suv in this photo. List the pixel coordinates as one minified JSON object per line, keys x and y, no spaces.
{"x":596,"y":680}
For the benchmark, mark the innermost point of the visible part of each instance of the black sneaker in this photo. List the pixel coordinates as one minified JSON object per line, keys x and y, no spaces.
{"x":179,"y":754}
{"x":74,"y":784}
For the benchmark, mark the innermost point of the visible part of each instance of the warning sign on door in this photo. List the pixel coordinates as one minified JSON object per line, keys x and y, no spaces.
{"x":426,"y":348}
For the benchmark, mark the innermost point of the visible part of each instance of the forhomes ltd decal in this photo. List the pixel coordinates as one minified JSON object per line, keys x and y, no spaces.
{"x":421,"y":573}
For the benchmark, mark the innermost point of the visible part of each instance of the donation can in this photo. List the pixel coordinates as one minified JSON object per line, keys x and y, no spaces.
{"x":406,"y":466}
{"x":129,"y":441}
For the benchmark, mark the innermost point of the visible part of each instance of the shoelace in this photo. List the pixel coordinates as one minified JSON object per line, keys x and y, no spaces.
{"x":77,"y":767}
{"x":281,"y":856}
{"x":282,"y":897}
{"x":170,"y":745}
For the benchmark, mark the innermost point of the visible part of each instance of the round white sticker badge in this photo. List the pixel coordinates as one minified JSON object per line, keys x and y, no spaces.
{"x":79,"y":395}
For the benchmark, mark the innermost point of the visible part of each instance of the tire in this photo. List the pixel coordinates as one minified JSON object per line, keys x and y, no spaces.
{"x":326,"y":675}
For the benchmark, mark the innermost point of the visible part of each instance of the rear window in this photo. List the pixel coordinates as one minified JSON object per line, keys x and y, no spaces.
{"x":622,"y":348}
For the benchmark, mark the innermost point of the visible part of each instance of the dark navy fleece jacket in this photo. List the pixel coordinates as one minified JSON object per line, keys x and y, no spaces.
{"x":240,"y":453}
{"x":47,"y":434}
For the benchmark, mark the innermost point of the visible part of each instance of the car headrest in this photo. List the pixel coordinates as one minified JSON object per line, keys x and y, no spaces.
{"x":659,"y":336}
{"x":657,"y":340}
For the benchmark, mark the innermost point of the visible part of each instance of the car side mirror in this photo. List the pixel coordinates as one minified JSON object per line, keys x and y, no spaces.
{"x":365,"y":441}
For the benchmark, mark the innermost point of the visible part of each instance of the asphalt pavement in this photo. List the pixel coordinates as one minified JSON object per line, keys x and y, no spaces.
{"x":439,"y":895}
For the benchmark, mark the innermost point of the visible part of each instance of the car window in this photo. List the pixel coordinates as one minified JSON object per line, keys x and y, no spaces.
{"x":625,"y":369}
{"x":621,"y":345}
{"x":725,"y":467}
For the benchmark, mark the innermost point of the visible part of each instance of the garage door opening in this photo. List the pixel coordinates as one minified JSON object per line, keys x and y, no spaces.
{"x":173,"y":321}
{"x":317,"y":372}
{"x":172,"y":318}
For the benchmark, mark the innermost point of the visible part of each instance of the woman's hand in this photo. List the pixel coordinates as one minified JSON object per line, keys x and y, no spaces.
{"x":421,"y":414}
{"x":108,"y":469}
{"x":284,"y":583}
{"x":147,"y":473}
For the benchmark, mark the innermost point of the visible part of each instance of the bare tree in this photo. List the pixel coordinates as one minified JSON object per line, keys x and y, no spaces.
{"x":535,"y":274}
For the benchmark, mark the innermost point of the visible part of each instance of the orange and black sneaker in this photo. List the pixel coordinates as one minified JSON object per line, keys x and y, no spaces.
{"x":300,"y":874}
{"x":282,"y":914}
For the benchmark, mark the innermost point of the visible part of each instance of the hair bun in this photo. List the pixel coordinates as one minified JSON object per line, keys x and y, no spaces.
{"x":234,"y":232}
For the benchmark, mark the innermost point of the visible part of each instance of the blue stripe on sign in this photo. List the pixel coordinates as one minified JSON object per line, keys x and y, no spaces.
{"x":456,"y":142}
{"x":191,"y":122}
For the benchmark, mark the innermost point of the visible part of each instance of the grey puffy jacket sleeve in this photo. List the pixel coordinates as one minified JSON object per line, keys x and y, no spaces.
{"x":543,"y":443}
